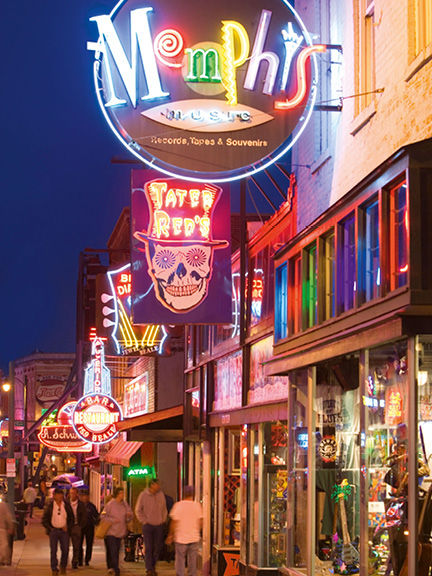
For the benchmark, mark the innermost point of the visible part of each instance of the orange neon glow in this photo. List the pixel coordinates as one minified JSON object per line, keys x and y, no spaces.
{"x":305,"y":54}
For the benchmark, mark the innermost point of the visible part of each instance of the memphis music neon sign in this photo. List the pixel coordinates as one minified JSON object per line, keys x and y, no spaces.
{"x":239,"y":84}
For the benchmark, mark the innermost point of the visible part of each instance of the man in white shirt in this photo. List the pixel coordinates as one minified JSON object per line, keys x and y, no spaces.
{"x":185,"y":529}
{"x":58,"y":521}
{"x":29,"y":497}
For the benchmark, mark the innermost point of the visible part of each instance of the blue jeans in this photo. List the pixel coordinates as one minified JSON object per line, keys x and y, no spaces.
{"x":57,"y":536}
{"x":181,"y":552}
{"x":153,"y":542}
{"x":113,"y":552}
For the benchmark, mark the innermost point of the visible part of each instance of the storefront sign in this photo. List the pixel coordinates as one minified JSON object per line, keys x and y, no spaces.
{"x":10,"y":468}
{"x":181,"y":267}
{"x":136,"y":396}
{"x":126,"y":337}
{"x":328,"y":449}
{"x":264,"y":388}
{"x":228,"y":382}
{"x":96,"y":414}
{"x":59,"y":435}
{"x":142,"y":472}
{"x":209,"y":99}
{"x":49,"y":389}
{"x":95,"y":418}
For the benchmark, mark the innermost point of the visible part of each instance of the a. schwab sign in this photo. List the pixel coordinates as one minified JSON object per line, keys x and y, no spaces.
{"x":210,"y":92}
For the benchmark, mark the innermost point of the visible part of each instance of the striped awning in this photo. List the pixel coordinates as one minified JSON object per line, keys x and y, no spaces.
{"x":121,"y":452}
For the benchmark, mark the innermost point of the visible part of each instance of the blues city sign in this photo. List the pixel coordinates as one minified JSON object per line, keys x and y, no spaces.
{"x":207,"y":95}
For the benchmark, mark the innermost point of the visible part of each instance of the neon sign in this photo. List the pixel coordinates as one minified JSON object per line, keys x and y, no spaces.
{"x":243,"y":70}
{"x":96,"y":414}
{"x":127,"y":338}
{"x":140,"y":472}
{"x":136,"y":396}
{"x":60,"y":435}
{"x":174,"y":225}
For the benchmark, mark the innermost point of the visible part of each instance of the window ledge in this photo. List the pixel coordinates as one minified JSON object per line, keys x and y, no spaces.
{"x":419,"y":61}
{"x":323,"y":158}
{"x":363,"y":118}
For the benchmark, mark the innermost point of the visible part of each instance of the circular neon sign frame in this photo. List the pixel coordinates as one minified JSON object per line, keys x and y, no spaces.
{"x":238,"y":173}
{"x":83,"y":405}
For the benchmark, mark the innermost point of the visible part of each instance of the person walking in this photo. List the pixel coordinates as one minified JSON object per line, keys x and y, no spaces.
{"x":58,"y":520}
{"x":185,"y":530}
{"x":29,"y":497}
{"x":80,"y":520}
{"x":6,"y":534}
{"x":151,"y":511}
{"x":88,"y":531}
{"x":118,"y":513}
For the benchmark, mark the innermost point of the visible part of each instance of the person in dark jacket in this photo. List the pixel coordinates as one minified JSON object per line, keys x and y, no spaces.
{"x":89,"y":529}
{"x":80,"y":521}
{"x":58,"y":521}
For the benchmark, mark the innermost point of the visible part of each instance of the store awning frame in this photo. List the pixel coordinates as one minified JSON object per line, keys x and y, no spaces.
{"x":160,"y":426}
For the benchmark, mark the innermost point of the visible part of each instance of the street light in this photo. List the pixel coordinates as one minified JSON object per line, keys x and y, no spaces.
{"x":6,"y":386}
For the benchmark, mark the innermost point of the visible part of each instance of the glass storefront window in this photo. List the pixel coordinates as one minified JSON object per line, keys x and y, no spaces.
{"x":268,"y":494}
{"x":372,"y":271}
{"x":346,"y":264}
{"x":310,"y":287}
{"x":337,"y":435}
{"x":398,"y":237}
{"x":297,"y":457}
{"x":385,"y":445}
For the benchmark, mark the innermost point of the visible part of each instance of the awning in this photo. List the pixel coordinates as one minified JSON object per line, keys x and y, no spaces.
{"x":121,"y":452}
{"x":161,"y":426}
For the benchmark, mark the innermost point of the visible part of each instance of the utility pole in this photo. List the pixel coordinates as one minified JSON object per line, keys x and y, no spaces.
{"x":11,"y":435}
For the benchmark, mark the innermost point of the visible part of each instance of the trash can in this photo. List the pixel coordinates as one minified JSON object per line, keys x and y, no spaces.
{"x":129,"y":545}
{"x":20,"y":514}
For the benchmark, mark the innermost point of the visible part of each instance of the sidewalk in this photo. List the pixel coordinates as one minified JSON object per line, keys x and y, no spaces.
{"x":31,"y":557}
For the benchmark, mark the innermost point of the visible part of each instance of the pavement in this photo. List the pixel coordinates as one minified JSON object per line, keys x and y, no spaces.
{"x":31,"y":557}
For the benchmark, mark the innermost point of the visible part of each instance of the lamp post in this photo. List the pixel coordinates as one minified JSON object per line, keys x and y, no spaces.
{"x":10,"y":389}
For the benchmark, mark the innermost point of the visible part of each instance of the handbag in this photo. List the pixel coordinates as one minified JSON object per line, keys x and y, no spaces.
{"x":102,"y":528}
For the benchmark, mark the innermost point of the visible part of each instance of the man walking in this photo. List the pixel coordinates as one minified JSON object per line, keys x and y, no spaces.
{"x":29,"y":497}
{"x":151,"y":511}
{"x":185,"y":529}
{"x":80,"y":520}
{"x":88,"y":531}
{"x":58,"y":521}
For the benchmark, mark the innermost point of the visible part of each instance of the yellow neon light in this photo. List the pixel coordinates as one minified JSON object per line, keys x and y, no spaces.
{"x":230,"y":29}
{"x":128,"y":325}
{"x":305,"y":54}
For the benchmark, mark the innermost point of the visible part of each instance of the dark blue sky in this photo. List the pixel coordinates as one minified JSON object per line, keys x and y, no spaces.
{"x":59,"y":191}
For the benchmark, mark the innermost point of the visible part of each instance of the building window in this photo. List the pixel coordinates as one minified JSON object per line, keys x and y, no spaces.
{"x":329,"y":278}
{"x":281,"y":308}
{"x":423,"y":25}
{"x":310,"y":286}
{"x":346,"y":264}
{"x":365,"y":57}
{"x":398,"y":237}
{"x":295,"y":295}
{"x":371,"y":267}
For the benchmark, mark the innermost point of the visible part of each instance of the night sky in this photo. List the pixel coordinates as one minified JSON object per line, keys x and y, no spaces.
{"x":60,"y":192}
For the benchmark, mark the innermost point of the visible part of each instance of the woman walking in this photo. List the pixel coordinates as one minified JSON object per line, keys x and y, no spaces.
{"x":118,"y":514}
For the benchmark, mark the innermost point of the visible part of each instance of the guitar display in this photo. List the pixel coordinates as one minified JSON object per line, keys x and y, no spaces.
{"x":348,"y":563}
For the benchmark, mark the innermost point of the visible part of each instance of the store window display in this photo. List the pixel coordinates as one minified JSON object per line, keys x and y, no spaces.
{"x":386,"y":457}
{"x":337,"y":410}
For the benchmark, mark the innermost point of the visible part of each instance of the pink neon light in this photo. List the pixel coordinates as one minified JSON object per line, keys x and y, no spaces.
{"x":301,"y":78}
{"x":168,"y":44}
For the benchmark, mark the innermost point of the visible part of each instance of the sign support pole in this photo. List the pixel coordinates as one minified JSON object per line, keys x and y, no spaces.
{"x":11,"y":436}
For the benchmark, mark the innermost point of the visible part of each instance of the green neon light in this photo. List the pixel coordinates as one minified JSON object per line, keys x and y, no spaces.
{"x":138,"y":472}
{"x":207,"y":61}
